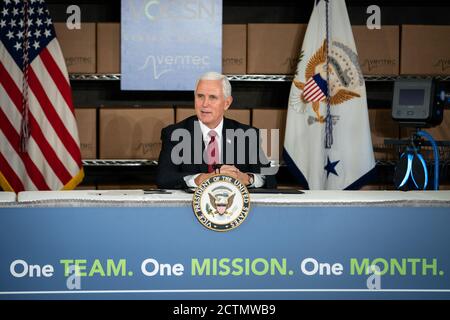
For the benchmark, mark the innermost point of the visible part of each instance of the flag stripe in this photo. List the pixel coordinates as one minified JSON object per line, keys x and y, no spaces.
{"x":12,"y":90}
{"x":57,"y":76}
{"x":10,"y":67}
{"x":10,"y":175}
{"x":49,"y":154}
{"x":53,"y":92}
{"x":47,"y":151}
{"x":52,"y":116}
{"x":309,"y":84}
{"x":14,"y":139}
{"x":314,"y":96}
{"x":16,"y":164}
{"x":63,"y":111}
{"x":312,"y":92}
{"x":318,"y":96}
{"x":55,"y":51}
{"x":312,"y":87}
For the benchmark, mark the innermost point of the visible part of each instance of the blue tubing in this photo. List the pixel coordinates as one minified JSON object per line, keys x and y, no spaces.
{"x":436,"y":157}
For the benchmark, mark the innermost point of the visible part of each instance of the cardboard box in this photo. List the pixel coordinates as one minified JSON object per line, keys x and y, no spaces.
{"x":378,"y":50}
{"x":108,"y":48}
{"x":425,"y":50}
{"x":271,"y":119}
{"x":132,"y":133}
{"x":382,"y":127}
{"x":78,"y":47}
{"x":234,"y":49}
{"x":241,"y":115}
{"x":274,"y":48}
{"x":87,"y":131}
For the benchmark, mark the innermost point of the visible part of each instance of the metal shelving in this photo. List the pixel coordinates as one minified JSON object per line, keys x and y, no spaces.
{"x":119,"y":162}
{"x":154,"y":163}
{"x":94,"y":77}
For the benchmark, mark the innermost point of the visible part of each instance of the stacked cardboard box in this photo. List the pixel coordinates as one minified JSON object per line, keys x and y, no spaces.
{"x":234,"y":49}
{"x":274,"y":48}
{"x":108,"y":48}
{"x":132,"y":133}
{"x":425,"y":50}
{"x":378,"y":50}
{"x":78,"y":47}
{"x":87,"y":131}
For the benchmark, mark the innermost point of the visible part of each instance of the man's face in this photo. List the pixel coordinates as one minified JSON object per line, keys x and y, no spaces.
{"x":210,"y":104}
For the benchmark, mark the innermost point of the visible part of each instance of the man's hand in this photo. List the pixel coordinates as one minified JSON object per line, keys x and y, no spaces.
{"x":225,"y":169}
{"x":235,"y":173}
{"x":202,"y":177}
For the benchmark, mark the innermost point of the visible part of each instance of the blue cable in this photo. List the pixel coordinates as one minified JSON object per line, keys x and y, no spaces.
{"x":436,"y":156}
{"x":408,"y":170}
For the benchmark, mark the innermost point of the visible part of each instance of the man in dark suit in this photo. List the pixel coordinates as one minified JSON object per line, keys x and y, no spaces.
{"x":193,"y":149}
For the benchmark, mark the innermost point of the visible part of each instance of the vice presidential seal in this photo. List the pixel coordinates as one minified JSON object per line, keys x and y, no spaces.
{"x":221,"y":203}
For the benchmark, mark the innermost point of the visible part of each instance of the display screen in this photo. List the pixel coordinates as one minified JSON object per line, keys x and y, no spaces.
{"x":411,"y":97}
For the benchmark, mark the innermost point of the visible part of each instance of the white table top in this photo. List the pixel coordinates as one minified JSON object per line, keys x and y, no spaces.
{"x":181,"y":198}
{"x":7,"y":197}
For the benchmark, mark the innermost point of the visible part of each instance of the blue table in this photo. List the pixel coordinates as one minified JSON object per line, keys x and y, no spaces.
{"x":157,"y":250}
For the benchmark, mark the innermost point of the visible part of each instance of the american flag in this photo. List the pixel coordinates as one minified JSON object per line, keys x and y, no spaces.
{"x":39,"y":146}
{"x":315,"y":89}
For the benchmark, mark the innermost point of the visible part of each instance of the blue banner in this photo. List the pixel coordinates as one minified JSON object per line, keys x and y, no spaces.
{"x":277,"y":253}
{"x":167,"y":45}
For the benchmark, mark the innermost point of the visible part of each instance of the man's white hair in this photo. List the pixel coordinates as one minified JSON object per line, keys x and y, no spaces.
{"x":212,"y":75}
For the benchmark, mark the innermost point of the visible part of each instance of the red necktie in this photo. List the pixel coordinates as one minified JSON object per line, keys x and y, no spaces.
{"x":212,"y":151}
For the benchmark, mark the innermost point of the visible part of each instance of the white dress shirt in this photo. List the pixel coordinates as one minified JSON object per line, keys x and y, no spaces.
{"x":190,"y":179}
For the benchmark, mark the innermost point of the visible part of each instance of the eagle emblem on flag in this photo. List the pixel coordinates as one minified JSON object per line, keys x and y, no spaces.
{"x":342,"y":72}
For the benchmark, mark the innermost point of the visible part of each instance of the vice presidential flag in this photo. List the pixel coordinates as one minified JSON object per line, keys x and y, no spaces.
{"x":327,"y":141}
{"x":39,"y":146}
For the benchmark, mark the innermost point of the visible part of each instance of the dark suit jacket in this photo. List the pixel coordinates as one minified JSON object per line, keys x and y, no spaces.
{"x":171,"y":176}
